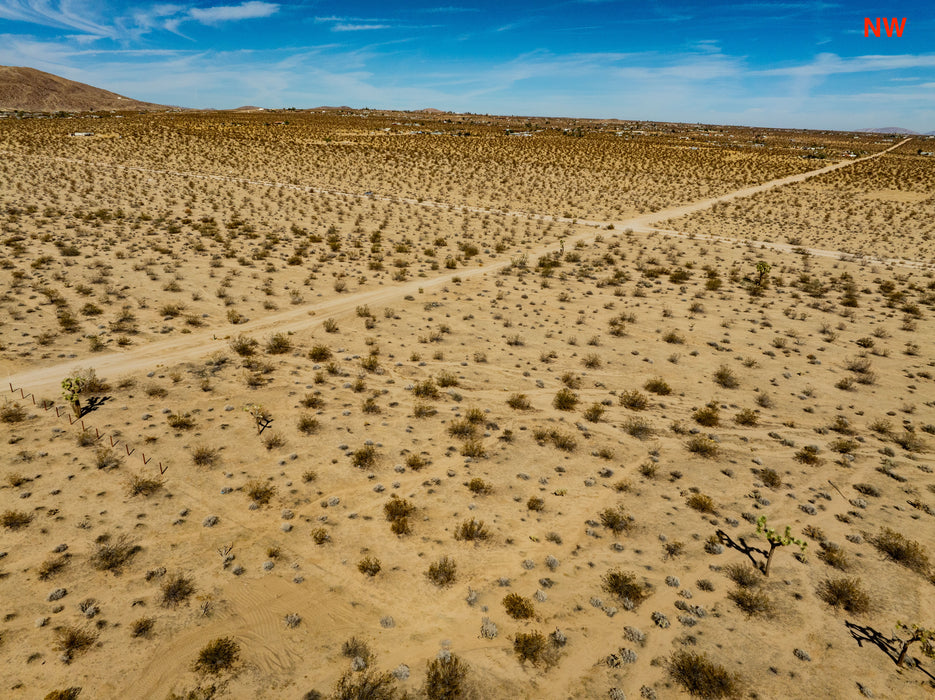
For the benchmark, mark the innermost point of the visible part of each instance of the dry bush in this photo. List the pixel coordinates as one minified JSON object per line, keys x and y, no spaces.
{"x":71,"y":640}
{"x":707,"y":416}
{"x":142,"y":627}
{"x":180,"y":421}
{"x":725,"y":377}
{"x":808,"y":455}
{"x":370,"y":566}
{"x":637,"y":427}
{"x":834,"y":555}
{"x":743,"y":575}
{"x":442,"y":572}
{"x":703,"y":446}
{"x":535,"y":648}
{"x":176,"y":590}
{"x":701,"y":503}
{"x":520,"y":402}
{"x":444,"y":678}
{"x":565,"y":400}
{"x":473,"y":448}
{"x":397,"y":508}
{"x":426,"y":389}
{"x":753,"y":602}
{"x":535,"y":504}
{"x":770,"y":477}
{"x":106,"y":458}
{"x":64,"y":694}
{"x":278,"y":344}
{"x":260,"y":492}
{"x":518,"y":607}
{"x":594,"y":412}
{"x":904,"y":551}
{"x":12,"y":413}
{"x":204,"y":456}
{"x":480,"y":487}
{"x":624,"y":586}
{"x":844,"y":593}
{"x":364,"y":457}
{"x":50,"y":567}
{"x":319,"y":353}
{"x":615,"y":519}
{"x":217,"y":655}
{"x":702,"y":677}
{"x":472,"y":530}
{"x":243,"y":345}
{"x":635,"y":400}
{"x":307,"y":424}
{"x":140,"y":485}
{"x":658,"y":386}
{"x":14,"y":520}
{"x":273,"y":440}
{"x":113,"y":555}
{"x":365,"y":685}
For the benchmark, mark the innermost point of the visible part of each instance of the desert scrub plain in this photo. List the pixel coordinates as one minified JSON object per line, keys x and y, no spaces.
{"x":883,"y":208}
{"x":541,"y":479}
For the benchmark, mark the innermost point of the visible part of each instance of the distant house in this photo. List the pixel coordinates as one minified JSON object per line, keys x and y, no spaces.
{"x":82,"y":133}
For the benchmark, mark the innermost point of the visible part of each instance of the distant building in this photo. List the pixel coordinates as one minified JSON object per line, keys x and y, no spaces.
{"x":82,"y":133}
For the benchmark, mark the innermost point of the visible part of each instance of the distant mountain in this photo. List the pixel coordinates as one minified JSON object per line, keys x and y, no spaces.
{"x":32,"y":90}
{"x":248,"y":108}
{"x":889,"y":130}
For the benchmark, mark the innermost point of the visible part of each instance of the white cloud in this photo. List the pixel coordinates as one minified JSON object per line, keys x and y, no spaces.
{"x":254,"y":9}
{"x":47,"y":14}
{"x":358,"y":27}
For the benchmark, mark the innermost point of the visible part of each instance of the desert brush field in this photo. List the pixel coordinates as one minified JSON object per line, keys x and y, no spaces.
{"x":382,"y":405}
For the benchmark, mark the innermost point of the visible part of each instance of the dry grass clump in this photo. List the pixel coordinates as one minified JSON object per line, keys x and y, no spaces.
{"x":701,"y":677}
{"x":703,"y":446}
{"x":425,"y":389}
{"x":753,"y":602}
{"x":624,"y":586}
{"x":770,"y":477}
{"x":594,"y":412}
{"x":307,"y":424}
{"x":635,"y":400}
{"x":565,"y":400}
{"x":142,"y":627}
{"x":442,"y":572}
{"x":113,"y":555}
{"x":724,"y":376}
{"x":707,"y":415}
{"x":844,"y":593}
{"x":243,"y":345}
{"x":140,"y":485}
{"x":204,"y":456}
{"x":615,"y":519}
{"x":535,"y":504}
{"x":364,"y":457}
{"x":473,"y":448}
{"x":808,"y":455}
{"x":743,"y":575}
{"x":480,"y":487}
{"x":176,"y":590}
{"x":14,"y":519}
{"x":904,"y":551}
{"x":520,"y":402}
{"x":370,"y":566}
{"x":180,"y":421}
{"x":472,"y":530}
{"x":365,"y":685}
{"x":518,"y":607}
{"x":637,"y":427}
{"x":278,"y":344}
{"x":12,"y":413}
{"x":258,"y":491}
{"x":64,"y":694}
{"x":701,"y":503}
{"x":833,"y":555}
{"x":217,"y":655}
{"x":658,"y":386}
{"x":319,"y":353}
{"x":71,"y":640}
{"x":50,"y":567}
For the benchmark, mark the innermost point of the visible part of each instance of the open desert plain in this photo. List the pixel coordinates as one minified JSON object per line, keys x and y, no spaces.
{"x":385,"y":405}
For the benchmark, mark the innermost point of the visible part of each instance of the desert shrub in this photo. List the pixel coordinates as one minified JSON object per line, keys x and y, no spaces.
{"x":140,"y":485}
{"x":312,"y":401}
{"x":472,"y":530}
{"x":370,"y":566}
{"x":259,"y":491}
{"x":442,"y":572}
{"x":707,"y":416}
{"x":155,"y":391}
{"x":12,"y":413}
{"x":473,"y":448}
{"x":659,"y":386}
{"x":447,"y":379}
{"x":365,"y":685}
{"x":278,"y":343}
{"x":638,"y":427}
{"x":273,"y":440}
{"x":142,"y":627}
{"x":910,"y":441}
{"x":479,"y":486}
{"x":702,"y":677}
{"x":320,"y":535}
{"x":425,"y":389}
{"x":752,"y":601}
{"x":615,"y":519}
{"x":307,"y":424}
{"x":355,"y":647}
{"x":594,"y":412}
{"x":844,"y":593}
{"x":701,"y":503}
{"x":64,"y":694}
{"x":217,"y":655}
{"x":416,"y":462}
{"x":180,"y":421}
{"x":520,"y":402}
{"x":243,"y":345}
{"x":534,"y":647}
{"x":703,"y":446}
{"x":50,"y":567}
{"x":724,"y":376}
{"x":204,"y":456}
{"x":463,"y":429}
{"x":808,"y":455}
{"x":444,"y":678}
{"x":770,"y":477}
{"x":113,"y":555}
{"x":397,"y":508}
{"x":518,"y":607}
{"x":176,"y":590}
{"x":71,"y":640}
{"x":904,"y":551}
{"x":423,"y":410}
{"x":319,"y":353}
{"x":743,"y":575}
{"x":535,"y":504}
{"x":106,"y":458}
{"x":565,"y":400}
{"x":330,"y":325}
{"x":635,"y":400}
{"x":14,"y":520}
{"x":624,"y":586}
{"x":833,"y":555}
{"x":364,"y":457}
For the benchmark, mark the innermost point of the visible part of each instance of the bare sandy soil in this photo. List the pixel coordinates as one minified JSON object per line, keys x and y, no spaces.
{"x":504,"y":451}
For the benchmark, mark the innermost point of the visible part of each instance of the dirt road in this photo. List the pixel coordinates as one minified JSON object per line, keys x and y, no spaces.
{"x":45,"y":381}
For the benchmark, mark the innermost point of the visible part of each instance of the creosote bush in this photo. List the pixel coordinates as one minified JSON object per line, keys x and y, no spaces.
{"x":702,"y":677}
{"x":113,"y":555}
{"x":71,"y":640}
{"x":472,"y":530}
{"x":259,"y":491}
{"x":444,"y":678}
{"x":565,"y":400}
{"x":624,"y":586}
{"x":217,"y":655}
{"x":844,"y":593}
{"x":370,"y":566}
{"x":176,"y":590}
{"x":904,"y":551}
{"x":14,"y":520}
{"x":442,"y":572}
{"x":535,"y":648}
{"x":518,"y":607}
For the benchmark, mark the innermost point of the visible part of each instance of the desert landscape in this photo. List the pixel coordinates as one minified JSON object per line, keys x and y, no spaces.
{"x":377,"y":404}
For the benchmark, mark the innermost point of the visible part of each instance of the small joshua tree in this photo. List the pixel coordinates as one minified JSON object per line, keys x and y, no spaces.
{"x":762,"y":273}
{"x":926,"y":637}
{"x":775,"y":540}
{"x":71,"y":392}
{"x":260,"y":416}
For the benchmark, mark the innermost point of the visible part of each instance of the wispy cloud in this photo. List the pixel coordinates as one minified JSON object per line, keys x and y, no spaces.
{"x":253,"y":9}
{"x":64,"y":15}
{"x":358,"y":27}
{"x":830,"y":64}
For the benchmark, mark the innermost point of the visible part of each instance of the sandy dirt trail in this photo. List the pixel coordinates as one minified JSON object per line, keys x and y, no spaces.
{"x":46,"y":380}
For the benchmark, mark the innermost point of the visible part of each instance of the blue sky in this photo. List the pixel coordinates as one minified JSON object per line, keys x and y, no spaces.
{"x":785,"y":63}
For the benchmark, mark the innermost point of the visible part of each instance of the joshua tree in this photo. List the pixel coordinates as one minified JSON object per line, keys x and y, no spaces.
{"x":71,"y":391}
{"x":762,"y":273}
{"x":924,"y":636}
{"x":775,"y":540}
